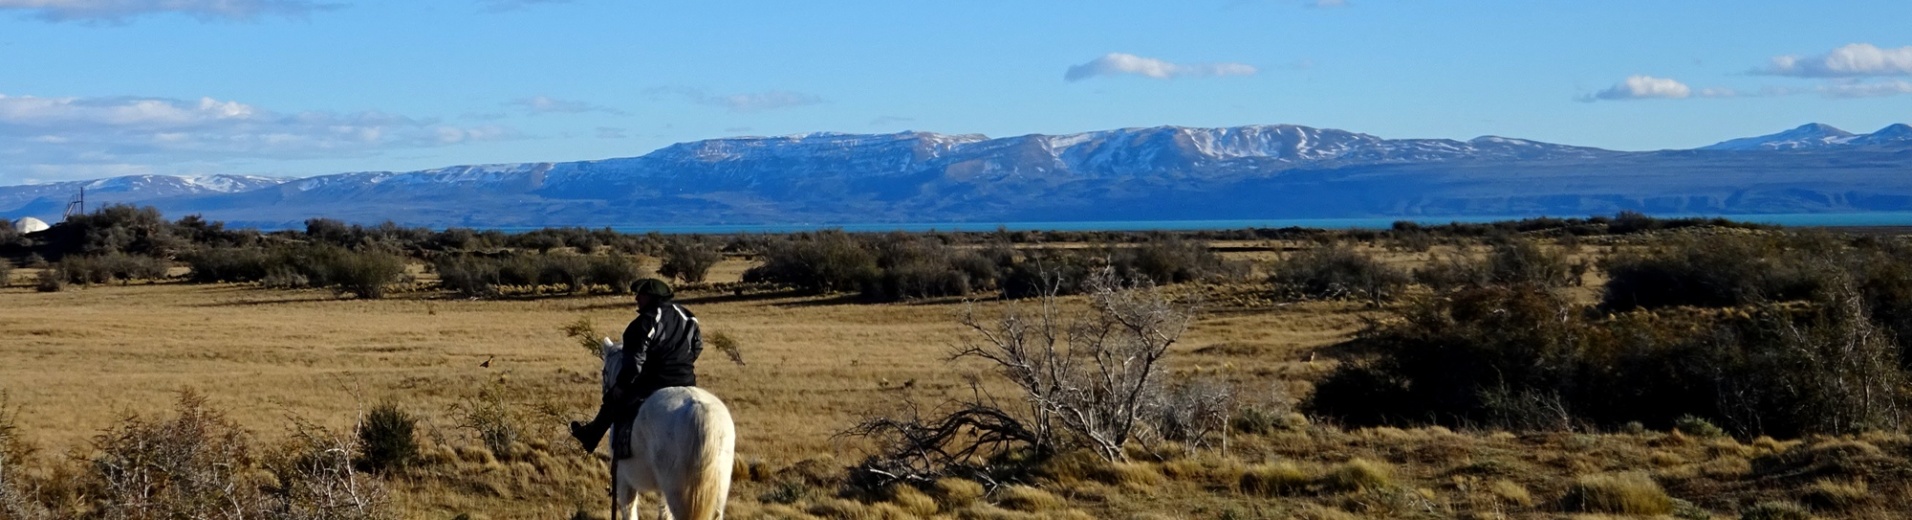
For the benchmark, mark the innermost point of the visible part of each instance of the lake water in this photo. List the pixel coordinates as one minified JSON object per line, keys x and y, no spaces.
{"x":1798,"y":219}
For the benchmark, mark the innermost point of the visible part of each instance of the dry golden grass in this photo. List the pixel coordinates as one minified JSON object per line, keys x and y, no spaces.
{"x":85,"y":357}
{"x":1622,"y":493}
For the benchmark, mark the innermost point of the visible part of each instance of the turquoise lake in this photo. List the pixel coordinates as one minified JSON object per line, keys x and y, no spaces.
{"x":1797,"y":219}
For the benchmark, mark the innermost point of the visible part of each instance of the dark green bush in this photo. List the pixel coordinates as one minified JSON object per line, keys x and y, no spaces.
{"x":6,"y":272}
{"x":365,"y":274}
{"x":615,"y":271}
{"x":1170,"y":259}
{"x":1713,"y":271}
{"x":1334,"y":273}
{"x":688,"y":259}
{"x":568,"y":270}
{"x":824,"y":262}
{"x":468,"y":276}
{"x":50,"y":280}
{"x":232,"y":264}
{"x":1043,"y":271}
{"x":386,"y":439}
{"x":110,"y":267}
{"x":1527,"y":358}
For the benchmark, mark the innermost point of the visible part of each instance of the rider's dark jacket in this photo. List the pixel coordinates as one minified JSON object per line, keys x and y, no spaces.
{"x":662,"y":344}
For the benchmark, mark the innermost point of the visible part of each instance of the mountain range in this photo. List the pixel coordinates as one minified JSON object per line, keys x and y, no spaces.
{"x":1137,"y":174}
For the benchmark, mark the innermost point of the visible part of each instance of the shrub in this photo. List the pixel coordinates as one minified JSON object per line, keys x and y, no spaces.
{"x":1334,"y":273}
{"x":1697,"y":427}
{"x":1170,"y":259}
{"x":116,"y":266}
{"x":1619,"y":493}
{"x":365,"y":274}
{"x":829,"y":261}
{"x":385,"y":438}
{"x":613,"y":270}
{"x":570,"y":271}
{"x":468,"y":276}
{"x":921,"y":279}
{"x":190,"y":466}
{"x":1044,"y":272}
{"x":231,"y":264}
{"x":6,"y":272}
{"x":1712,"y":271}
{"x":493,"y":419}
{"x":688,"y":259}
{"x":50,"y":280}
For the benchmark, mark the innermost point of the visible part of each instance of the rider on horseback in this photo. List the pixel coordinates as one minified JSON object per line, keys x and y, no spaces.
{"x":660,"y":347}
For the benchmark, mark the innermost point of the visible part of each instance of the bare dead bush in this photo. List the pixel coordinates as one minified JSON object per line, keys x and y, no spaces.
{"x":1084,"y":379}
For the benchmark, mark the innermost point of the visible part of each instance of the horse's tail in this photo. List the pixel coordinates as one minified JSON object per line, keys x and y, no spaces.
{"x":713,"y":448}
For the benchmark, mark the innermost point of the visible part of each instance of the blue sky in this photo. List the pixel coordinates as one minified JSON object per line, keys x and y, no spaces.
{"x":96,"y":88}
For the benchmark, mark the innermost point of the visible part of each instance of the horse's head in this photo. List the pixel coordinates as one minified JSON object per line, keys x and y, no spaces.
{"x":612,"y":353}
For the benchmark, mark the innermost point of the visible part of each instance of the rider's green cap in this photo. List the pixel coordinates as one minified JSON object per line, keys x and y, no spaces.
{"x":653,"y":287}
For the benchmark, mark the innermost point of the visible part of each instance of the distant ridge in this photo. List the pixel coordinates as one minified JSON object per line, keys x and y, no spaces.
{"x":1131,"y":174}
{"x":1818,"y":136}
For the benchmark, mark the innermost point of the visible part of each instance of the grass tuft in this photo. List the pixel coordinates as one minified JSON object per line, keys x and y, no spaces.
{"x":1511,"y":492}
{"x":1836,"y":495}
{"x":1274,"y":479}
{"x":956,"y":493}
{"x":1358,"y":475}
{"x":1621,"y":493}
{"x":1029,"y":499}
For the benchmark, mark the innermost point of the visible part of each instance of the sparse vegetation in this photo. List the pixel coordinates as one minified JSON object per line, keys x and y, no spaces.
{"x":1599,"y":400}
{"x":1336,"y":273}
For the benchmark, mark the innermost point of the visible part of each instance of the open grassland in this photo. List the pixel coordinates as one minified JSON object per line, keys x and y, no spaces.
{"x":78,"y":361}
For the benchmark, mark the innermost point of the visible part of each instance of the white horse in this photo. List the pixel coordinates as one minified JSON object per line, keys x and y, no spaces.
{"x":682,"y":444}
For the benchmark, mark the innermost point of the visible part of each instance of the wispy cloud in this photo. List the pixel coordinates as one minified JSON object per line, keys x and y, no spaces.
{"x":1327,"y":4}
{"x":1852,"y":61}
{"x":891,"y":120}
{"x":121,"y":11}
{"x":1848,"y":90}
{"x":499,"y":6}
{"x":1116,"y":63}
{"x":611,"y":132}
{"x":81,"y":135}
{"x":749,"y":102}
{"x":547,"y":105}
{"x":1649,"y":87}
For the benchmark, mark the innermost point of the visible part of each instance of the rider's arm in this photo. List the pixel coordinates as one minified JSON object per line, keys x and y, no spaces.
{"x":639,"y":337}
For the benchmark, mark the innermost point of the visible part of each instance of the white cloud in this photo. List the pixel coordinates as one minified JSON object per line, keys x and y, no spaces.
{"x":1117,"y":63}
{"x":742,"y":103}
{"x":119,"y":11}
{"x":95,"y":134}
{"x":1866,"y":90}
{"x":546,"y":105}
{"x":891,"y":120}
{"x":1649,"y":87}
{"x":1327,"y":4}
{"x":1851,"y":61}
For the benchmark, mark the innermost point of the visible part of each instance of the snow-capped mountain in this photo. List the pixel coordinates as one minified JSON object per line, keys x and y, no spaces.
{"x":49,"y":200}
{"x":1817,"y":136}
{"x":1273,"y":171}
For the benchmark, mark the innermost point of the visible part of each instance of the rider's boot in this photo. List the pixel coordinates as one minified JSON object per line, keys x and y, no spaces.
{"x":591,"y":433}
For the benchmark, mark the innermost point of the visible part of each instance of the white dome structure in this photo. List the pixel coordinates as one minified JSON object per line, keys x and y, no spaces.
{"x":30,"y":225}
